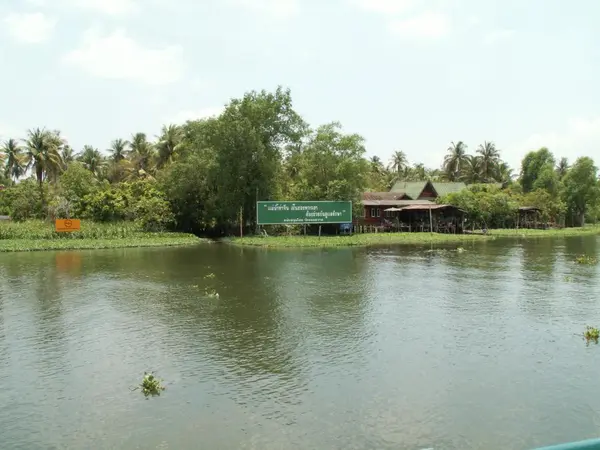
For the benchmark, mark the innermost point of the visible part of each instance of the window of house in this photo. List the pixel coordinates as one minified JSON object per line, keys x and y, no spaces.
{"x":378,"y":212}
{"x":373,"y":212}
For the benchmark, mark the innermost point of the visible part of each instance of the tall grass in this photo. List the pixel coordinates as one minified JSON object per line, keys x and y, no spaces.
{"x":41,"y":230}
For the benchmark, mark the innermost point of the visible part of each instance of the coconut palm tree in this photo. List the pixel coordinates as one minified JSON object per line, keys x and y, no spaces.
{"x":92,"y":159}
{"x":562,"y":168}
{"x":169,"y":142}
{"x":489,"y":159}
{"x":471,"y":170}
{"x":376,"y":164}
{"x":141,"y":153}
{"x":118,"y":150}
{"x":504,"y":174}
{"x":12,"y":153}
{"x":456,"y":160}
{"x":67,"y":155}
{"x":399,"y":162}
{"x":42,"y":153}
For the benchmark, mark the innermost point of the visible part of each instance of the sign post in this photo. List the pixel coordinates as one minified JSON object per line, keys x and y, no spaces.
{"x":66,"y":225}
{"x":303,"y":213}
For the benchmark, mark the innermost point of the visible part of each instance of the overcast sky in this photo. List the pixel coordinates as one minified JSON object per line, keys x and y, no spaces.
{"x":408,"y":75}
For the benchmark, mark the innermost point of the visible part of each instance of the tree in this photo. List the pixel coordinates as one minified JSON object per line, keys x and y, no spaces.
{"x":168,"y":145}
{"x":42,"y":149}
{"x":581,"y":188}
{"x":533,"y":165}
{"x":562,"y":167}
{"x":489,"y":160}
{"x":332,"y":166}
{"x":141,"y":153}
{"x":248,"y":140}
{"x":471,"y":170}
{"x":14,"y":159}
{"x":67,"y":155}
{"x":118,"y":150}
{"x":92,"y":159}
{"x":455,"y":161}
{"x":399,"y":162}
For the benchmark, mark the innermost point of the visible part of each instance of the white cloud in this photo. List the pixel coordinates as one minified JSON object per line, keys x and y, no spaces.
{"x":496,"y":36}
{"x":277,"y":8}
{"x":580,"y":137}
{"x":32,"y":28}
{"x":109,"y":7}
{"x":184,"y":116}
{"x":428,"y":24}
{"x":118,"y":56}
{"x":385,"y":6}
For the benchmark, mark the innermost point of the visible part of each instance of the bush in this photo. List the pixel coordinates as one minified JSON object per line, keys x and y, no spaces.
{"x":153,"y":214}
{"x":23,"y":201}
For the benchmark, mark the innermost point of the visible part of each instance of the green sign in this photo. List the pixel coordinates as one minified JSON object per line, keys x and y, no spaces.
{"x":278,"y":213}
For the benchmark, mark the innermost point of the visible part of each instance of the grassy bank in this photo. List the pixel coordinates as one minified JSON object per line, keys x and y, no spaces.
{"x":373,"y":239}
{"x":40,"y":235}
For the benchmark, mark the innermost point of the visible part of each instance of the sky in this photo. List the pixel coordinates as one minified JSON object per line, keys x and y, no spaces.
{"x":410,"y":75}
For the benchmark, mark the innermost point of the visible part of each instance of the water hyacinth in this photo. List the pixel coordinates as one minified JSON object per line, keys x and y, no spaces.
{"x":151,"y":385}
{"x":591,"y":334}
{"x":586,"y":259}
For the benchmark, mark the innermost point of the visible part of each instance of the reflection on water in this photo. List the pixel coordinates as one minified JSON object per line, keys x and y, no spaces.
{"x":399,"y":348}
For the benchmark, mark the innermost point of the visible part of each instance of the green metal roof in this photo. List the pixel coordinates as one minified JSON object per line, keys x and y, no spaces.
{"x":448,"y":188}
{"x":410,"y":188}
{"x":414,"y":188}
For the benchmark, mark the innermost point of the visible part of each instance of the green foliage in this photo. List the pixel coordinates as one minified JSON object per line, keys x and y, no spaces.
{"x":23,"y":200}
{"x":197,"y":176}
{"x":586,"y":259}
{"x":151,"y":385}
{"x":591,"y":334}
{"x":330,"y":167}
{"x":581,"y":188}
{"x":533,"y":165}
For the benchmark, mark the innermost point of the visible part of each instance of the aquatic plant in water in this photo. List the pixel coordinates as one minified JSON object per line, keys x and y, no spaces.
{"x":151,"y":385}
{"x":591,"y":334}
{"x":211,"y":293}
{"x":209,"y":276}
{"x":586,"y":259}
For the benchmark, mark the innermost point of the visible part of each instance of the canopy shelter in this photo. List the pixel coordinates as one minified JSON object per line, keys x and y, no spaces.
{"x":529,"y":217}
{"x":429,"y":217}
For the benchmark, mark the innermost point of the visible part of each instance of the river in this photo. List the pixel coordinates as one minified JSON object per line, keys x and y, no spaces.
{"x":389,"y":348}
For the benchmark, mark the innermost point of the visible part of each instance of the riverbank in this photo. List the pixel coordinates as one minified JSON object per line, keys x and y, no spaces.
{"x":375,"y":239}
{"x":39,"y":235}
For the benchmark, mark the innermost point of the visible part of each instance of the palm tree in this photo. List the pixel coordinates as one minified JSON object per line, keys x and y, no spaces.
{"x":471,"y":171}
{"x":67,"y":155}
{"x":141,"y":153}
{"x":456,"y":160}
{"x":42,"y":153}
{"x":399,"y":162}
{"x":376,"y":164}
{"x":504,"y":174}
{"x":562,"y":168}
{"x":92,"y":159}
{"x":489,"y":159}
{"x":118,"y":150}
{"x":169,"y":142}
{"x":14,"y":157}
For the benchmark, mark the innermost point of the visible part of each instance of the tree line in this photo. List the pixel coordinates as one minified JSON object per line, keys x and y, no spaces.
{"x":202,"y":175}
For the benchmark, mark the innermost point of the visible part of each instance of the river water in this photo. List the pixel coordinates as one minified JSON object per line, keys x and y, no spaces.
{"x":390,"y":348}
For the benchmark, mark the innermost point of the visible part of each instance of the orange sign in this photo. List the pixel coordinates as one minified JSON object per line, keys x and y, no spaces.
{"x":67,"y":225}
